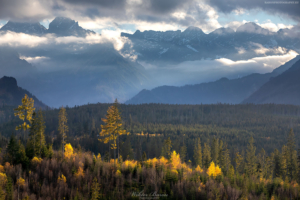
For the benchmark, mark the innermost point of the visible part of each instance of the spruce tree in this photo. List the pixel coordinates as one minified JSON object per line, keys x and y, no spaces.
{"x":198,"y":152}
{"x":215,"y":151}
{"x":63,"y":127}
{"x":251,"y":159}
{"x":12,"y":149}
{"x":292,"y":168}
{"x":95,"y":189}
{"x":166,"y":149}
{"x":36,"y":143}
{"x":206,"y":155}
{"x":183,"y":152}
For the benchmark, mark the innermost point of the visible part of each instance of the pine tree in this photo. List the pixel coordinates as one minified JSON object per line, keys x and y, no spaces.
{"x":262,"y":163}
{"x":166,"y":149}
{"x":215,"y":151}
{"x":251,"y":165}
{"x":144,"y":157}
{"x":40,"y":134}
{"x":239,"y":161}
{"x":112,"y":128}
{"x":224,"y":158}
{"x":278,"y":164}
{"x":95,"y":189}
{"x":206,"y":156}
{"x":292,"y":168}
{"x":183,"y":152}
{"x":198,"y":152}
{"x":284,"y":158}
{"x":62,"y":126}
{"x":9,"y":189}
{"x":12,"y":149}
{"x":24,"y":112}
{"x":36,"y":141}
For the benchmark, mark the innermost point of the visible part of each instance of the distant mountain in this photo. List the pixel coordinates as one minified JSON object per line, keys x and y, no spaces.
{"x":24,"y":27}
{"x":11,"y":94}
{"x":194,"y":44}
{"x":97,"y":73}
{"x":63,"y":26}
{"x":93,"y":73}
{"x":12,"y":65}
{"x":283,"y":89}
{"x":221,"y":91}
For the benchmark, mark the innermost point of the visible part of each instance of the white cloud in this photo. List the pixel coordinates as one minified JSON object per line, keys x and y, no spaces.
{"x":144,"y":26}
{"x":21,"y":39}
{"x":234,"y":24}
{"x":193,"y":72}
{"x":239,"y":11}
{"x":260,"y":49}
{"x":37,"y":60}
{"x":274,"y":27}
{"x":240,"y":50}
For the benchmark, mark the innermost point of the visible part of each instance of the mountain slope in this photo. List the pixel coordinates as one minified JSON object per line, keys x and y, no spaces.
{"x":63,"y":26}
{"x":11,"y":94}
{"x":283,"y":89}
{"x":24,"y":27}
{"x":12,"y":65}
{"x":221,"y":91}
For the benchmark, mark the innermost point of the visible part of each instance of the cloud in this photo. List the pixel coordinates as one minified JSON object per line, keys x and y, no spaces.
{"x":285,"y":8}
{"x":21,"y":39}
{"x":234,"y":24}
{"x":260,"y":49}
{"x":25,"y":10}
{"x":193,"y":72}
{"x":274,"y":27}
{"x":179,"y":13}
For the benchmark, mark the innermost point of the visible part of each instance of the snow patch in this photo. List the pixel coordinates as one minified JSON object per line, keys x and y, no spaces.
{"x":164,"y":51}
{"x":193,"y":49}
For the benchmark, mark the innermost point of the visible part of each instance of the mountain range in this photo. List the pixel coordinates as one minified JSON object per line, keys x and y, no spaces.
{"x":232,"y":91}
{"x":193,"y":44}
{"x":60,"y":26}
{"x":77,"y":73}
{"x":97,"y":72}
{"x":282,"y":89}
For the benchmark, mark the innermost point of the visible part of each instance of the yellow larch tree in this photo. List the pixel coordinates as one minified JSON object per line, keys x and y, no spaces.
{"x":112,"y":128}
{"x":24,"y":112}
{"x":214,"y":170}
{"x":68,"y":151}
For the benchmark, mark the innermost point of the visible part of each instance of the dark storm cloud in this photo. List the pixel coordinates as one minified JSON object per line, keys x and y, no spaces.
{"x":23,"y":10}
{"x":287,"y":8}
{"x":114,"y":4}
{"x":166,"y":6}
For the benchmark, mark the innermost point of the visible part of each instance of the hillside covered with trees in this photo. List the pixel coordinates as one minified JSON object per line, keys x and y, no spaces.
{"x":117,"y":151}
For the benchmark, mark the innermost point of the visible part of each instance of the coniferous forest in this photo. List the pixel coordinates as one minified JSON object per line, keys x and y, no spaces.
{"x":150,"y":151}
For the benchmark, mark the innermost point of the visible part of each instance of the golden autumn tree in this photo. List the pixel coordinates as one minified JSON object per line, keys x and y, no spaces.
{"x":24,"y":112}
{"x":62,"y":126}
{"x":68,"y":151}
{"x":112,"y":128}
{"x":214,"y":170}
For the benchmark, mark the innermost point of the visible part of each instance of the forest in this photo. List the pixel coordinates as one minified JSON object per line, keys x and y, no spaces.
{"x":150,"y":151}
